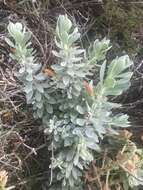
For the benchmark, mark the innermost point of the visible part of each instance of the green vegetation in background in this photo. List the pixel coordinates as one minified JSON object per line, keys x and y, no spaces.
{"x":122,"y":21}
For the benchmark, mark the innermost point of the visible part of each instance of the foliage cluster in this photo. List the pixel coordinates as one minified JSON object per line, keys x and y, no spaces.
{"x":75,"y":114}
{"x":122,"y":22}
{"x":118,"y":166}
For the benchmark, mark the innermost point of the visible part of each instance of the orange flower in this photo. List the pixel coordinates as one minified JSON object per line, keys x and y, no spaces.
{"x":3,"y":178}
{"x":49,"y":72}
{"x":88,"y":88}
{"x":12,"y":50}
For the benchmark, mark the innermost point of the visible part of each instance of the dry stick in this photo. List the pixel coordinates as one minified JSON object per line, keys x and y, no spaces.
{"x":25,"y":181}
{"x":51,"y":179}
{"x":7,"y":164}
{"x":104,"y":158}
{"x":89,"y":188}
{"x":107,"y":179}
{"x":46,"y":46}
{"x":11,"y":187}
{"x":34,"y":150}
{"x":98,"y":178}
{"x":40,"y":45}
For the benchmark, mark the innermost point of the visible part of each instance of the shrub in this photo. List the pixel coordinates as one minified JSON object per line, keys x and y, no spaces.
{"x":75,"y":113}
{"x":118,"y":166}
{"x":121,"y":21}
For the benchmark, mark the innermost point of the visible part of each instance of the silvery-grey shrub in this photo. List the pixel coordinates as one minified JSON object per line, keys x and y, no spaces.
{"x":75,"y":113}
